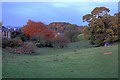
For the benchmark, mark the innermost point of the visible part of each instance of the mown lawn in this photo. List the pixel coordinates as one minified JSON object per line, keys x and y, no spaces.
{"x":79,"y":60}
{"x":0,"y":63}
{"x":0,"y":57}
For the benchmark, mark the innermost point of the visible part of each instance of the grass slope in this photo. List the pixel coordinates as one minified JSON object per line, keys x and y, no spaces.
{"x":0,"y":63}
{"x":0,"y":58}
{"x":79,"y":60}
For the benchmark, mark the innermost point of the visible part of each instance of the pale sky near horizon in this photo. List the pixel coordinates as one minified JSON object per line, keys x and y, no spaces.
{"x":17,"y":13}
{"x":60,"y":0}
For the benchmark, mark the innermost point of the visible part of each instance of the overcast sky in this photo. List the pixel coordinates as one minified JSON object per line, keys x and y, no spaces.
{"x":17,"y":13}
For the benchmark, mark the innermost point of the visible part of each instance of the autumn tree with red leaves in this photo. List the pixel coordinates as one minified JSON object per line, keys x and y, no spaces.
{"x":33,"y":28}
{"x":39,"y":33}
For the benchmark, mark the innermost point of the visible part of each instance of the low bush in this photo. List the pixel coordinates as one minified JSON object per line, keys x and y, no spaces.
{"x":16,"y":42}
{"x":60,"y":41}
{"x":5,"y":42}
{"x":26,"y":48}
{"x":80,"y":37}
{"x":17,"y":46}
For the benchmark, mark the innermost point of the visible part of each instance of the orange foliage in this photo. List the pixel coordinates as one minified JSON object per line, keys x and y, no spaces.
{"x":34,"y":28}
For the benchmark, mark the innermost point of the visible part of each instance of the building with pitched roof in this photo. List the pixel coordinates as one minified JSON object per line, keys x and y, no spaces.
{"x":6,"y":32}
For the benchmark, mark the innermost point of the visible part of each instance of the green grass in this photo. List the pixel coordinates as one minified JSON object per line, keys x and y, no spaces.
{"x":0,"y":58}
{"x":0,"y":63}
{"x":79,"y":60}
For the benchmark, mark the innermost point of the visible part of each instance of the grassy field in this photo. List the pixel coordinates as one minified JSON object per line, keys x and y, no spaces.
{"x":0,"y":63}
{"x":79,"y":60}
{"x":0,"y":58}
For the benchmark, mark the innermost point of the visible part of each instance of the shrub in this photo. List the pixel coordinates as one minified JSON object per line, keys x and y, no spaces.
{"x":72,"y":35}
{"x":39,"y":45}
{"x":72,"y":32}
{"x":86,"y":34}
{"x":40,"y":40}
{"x":80,"y":37}
{"x":18,"y":41}
{"x":12,"y":43}
{"x":19,"y":34}
{"x":5,"y":42}
{"x":60,"y":41}
{"x":26,"y":48}
{"x":15,"y":42}
{"x":9,"y":49}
